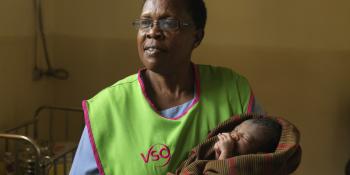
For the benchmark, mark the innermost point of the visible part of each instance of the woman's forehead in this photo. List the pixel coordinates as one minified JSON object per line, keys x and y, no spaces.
{"x":164,"y":8}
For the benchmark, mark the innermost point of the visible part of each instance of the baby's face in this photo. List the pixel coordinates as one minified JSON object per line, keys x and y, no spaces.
{"x":248,"y":136}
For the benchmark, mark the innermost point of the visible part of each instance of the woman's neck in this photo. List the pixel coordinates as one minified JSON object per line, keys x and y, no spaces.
{"x":172,"y":89}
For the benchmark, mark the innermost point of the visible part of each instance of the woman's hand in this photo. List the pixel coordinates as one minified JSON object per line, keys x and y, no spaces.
{"x":224,"y":147}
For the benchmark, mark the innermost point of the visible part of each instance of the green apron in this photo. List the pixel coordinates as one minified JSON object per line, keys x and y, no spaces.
{"x":129,"y":136}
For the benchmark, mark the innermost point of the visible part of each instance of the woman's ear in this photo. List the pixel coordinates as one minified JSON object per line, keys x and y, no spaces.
{"x":198,"y":38}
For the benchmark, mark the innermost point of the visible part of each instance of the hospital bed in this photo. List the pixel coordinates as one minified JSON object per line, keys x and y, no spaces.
{"x":44,"y":145}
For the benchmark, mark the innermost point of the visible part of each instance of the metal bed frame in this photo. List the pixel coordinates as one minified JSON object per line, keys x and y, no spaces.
{"x":42,"y":163}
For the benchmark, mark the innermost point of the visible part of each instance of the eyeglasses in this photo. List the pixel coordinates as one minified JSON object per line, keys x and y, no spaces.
{"x":163,"y":24}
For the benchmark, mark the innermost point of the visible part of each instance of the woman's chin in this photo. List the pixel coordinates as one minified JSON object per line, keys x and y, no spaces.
{"x":155,"y":64}
{"x":161,"y":64}
{"x":159,"y":69}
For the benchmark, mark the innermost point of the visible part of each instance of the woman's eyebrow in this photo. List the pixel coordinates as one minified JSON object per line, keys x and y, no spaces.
{"x":149,"y":14}
{"x":146,"y":15}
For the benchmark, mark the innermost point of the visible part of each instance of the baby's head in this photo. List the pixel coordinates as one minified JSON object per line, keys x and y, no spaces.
{"x":256,"y":135}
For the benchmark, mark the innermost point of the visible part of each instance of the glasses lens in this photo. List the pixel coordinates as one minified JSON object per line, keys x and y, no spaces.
{"x":163,"y":24}
{"x":168,"y":24}
{"x":145,"y":23}
{"x":142,"y":24}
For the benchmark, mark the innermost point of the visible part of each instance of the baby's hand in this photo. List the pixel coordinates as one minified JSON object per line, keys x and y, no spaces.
{"x":224,"y":147}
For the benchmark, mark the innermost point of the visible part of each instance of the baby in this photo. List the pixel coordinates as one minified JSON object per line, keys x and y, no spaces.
{"x":259,"y":135}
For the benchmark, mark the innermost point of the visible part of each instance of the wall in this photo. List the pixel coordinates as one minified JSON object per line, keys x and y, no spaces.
{"x":20,"y":96}
{"x":95,"y":42}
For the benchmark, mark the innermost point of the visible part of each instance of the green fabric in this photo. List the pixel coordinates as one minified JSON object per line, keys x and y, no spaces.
{"x":125,"y":126}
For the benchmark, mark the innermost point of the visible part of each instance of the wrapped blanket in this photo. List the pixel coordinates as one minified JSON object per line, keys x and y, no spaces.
{"x":284,"y":160}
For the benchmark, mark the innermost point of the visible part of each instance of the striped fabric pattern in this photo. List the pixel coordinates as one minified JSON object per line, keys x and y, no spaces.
{"x":284,"y":160}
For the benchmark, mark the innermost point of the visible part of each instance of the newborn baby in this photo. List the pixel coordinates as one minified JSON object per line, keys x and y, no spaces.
{"x":258,"y":135}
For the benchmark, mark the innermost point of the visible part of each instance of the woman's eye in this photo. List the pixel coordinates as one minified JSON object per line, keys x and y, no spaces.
{"x":170,"y":24}
{"x":145,"y":23}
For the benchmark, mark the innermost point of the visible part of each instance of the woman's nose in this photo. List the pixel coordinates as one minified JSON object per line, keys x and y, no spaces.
{"x":154,"y":32}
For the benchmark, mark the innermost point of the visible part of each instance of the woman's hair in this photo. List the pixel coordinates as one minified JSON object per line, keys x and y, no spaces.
{"x":197,"y":10}
{"x":272,"y":133}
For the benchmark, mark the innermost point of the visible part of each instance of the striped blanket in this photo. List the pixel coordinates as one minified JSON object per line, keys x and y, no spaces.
{"x":284,"y":160}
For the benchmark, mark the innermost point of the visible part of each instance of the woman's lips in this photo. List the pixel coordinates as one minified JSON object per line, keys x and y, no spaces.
{"x":152,"y":51}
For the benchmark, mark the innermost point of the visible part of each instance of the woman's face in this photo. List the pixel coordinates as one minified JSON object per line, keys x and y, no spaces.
{"x":166,"y":51}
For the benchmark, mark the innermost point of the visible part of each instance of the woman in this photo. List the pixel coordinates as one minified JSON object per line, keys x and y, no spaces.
{"x":148,"y":122}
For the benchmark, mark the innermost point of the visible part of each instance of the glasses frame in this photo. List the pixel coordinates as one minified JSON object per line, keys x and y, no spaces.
{"x":180,"y":24}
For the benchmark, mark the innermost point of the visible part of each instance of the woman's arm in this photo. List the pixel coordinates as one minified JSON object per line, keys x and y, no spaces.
{"x":257,"y":108}
{"x":84,"y":161}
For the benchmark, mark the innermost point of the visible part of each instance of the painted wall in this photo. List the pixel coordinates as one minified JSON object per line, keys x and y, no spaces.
{"x":20,"y":96}
{"x":295,"y":54}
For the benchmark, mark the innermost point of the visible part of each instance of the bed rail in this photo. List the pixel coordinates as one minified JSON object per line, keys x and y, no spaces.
{"x":30,"y":142}
{"x":28,"y":133}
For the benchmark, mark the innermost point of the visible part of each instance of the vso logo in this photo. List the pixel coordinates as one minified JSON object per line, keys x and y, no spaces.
{"x":158,"y":155}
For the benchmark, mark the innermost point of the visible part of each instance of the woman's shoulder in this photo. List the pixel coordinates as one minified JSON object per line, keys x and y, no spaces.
{"x":220,"y":71}
{"x":124,"y":84}
{"x":131,"y":79}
